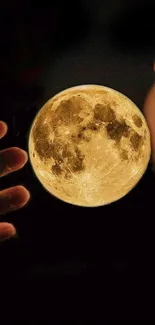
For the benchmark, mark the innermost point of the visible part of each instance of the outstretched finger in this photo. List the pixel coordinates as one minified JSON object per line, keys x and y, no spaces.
{"x":12,"y":159}
{"x":3,"y":129}
{"x":7,"y":230}
{"x":13,"y":198}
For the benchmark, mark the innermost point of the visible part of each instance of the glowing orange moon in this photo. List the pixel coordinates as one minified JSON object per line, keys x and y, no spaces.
{"x":89,"y":145}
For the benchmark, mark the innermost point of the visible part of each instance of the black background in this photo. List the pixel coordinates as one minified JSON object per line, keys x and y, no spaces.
{"x":71,"y":262}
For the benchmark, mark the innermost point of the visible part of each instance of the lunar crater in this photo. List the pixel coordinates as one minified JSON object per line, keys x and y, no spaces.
{"x":104,"y":113}
{"x":68,"y":111}
{"x":137,"y":120}
{"x":136,"y":141}
{"x":91,"y":149}
{"x":116,"y":130}
{"x":124,"y":154}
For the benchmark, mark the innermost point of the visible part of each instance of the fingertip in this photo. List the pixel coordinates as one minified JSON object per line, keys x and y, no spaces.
{"x":7,"y":230}
{"x":13,"y":199}
{"x":23,"y":152}
{"x":5,"y":125}
{"x":12,"y":159}
{"x":3,"y":128}
{"x":22,"y":155}
{"x":22,"y":194}
{"x":26,"y":193}
{"x":25,"y":156}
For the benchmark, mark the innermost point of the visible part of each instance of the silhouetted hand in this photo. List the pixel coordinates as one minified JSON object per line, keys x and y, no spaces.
{"x":149,"y":112}
{"x":13,"y":198}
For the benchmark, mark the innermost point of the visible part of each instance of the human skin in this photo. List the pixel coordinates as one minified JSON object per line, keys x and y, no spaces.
{"x":149,"y":113}
{"x":13,"y":198}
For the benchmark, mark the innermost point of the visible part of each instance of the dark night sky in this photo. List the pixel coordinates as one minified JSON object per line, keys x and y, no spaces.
{"x":71,"y":262}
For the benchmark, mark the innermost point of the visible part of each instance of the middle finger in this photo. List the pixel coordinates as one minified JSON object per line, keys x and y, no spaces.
{"x":12,"y":159}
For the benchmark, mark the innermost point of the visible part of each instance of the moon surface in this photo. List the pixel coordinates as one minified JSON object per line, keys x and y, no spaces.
{"x":89,"y":145}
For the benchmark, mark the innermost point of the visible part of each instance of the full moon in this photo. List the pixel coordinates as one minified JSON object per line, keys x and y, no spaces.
{"x":89,"y":145}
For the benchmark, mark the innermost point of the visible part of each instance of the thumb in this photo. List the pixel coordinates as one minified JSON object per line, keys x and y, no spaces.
{"x":149,"y":113}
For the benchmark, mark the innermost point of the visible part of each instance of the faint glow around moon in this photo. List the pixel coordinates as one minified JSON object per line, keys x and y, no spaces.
{"x":89,"y":145}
